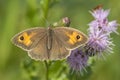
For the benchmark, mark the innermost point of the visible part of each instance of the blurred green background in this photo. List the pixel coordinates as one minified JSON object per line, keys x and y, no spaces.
{"x":17,"y":15}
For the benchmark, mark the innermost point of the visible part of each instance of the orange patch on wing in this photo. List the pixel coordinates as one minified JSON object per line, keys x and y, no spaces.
{"x":27,"y":38}
{"x":72,"y":37}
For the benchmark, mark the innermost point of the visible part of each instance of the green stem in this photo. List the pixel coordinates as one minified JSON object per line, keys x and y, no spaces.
{"x":47,"y":70}
{"x":44,"y":4}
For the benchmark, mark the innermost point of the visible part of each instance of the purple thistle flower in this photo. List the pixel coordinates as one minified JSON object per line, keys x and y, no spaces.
{"x":99,"y":39}
{"x":101,"y":22}
{"x":112,"y":26}
{"x":77,"y":59}
{"x":100,"y":14}
{"x":66,"y":21}
{"x":99,"y":33}
{"x":98,"y":42}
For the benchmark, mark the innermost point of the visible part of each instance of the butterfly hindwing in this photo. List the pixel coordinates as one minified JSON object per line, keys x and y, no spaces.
{"x":58,"y":50}
{"x":40,"y":52}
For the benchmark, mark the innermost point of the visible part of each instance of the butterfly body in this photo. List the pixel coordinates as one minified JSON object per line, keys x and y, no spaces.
{"x":49,"y":43}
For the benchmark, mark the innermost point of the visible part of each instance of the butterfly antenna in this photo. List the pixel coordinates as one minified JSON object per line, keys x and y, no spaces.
{"x":47,"y":22}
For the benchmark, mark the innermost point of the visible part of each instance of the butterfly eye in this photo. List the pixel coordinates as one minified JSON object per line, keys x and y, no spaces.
{"x":78,"y":37}
{"x":21,"y":38}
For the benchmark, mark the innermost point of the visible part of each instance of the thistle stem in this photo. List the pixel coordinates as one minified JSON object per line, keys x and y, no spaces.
{"x":47,"y":70}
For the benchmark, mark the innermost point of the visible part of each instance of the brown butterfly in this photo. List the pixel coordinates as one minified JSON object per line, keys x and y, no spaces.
{"x":49,"y":43}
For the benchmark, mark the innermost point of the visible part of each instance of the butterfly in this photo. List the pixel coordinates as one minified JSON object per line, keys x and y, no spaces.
{"x":49,"y":43}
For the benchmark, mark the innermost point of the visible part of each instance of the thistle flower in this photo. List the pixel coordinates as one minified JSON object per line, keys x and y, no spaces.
{"x":77,"y":60}
{"x":98,"y":43}
{"x":112,"y":26}
{"x":99,"y":33}
{"x":101,"y":22}
{"x":63,"y":22}
{"x":99,"y":39}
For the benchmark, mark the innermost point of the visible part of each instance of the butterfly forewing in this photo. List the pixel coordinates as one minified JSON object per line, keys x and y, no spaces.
{"x":30,"y":38}
{"x":68,"y":36}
